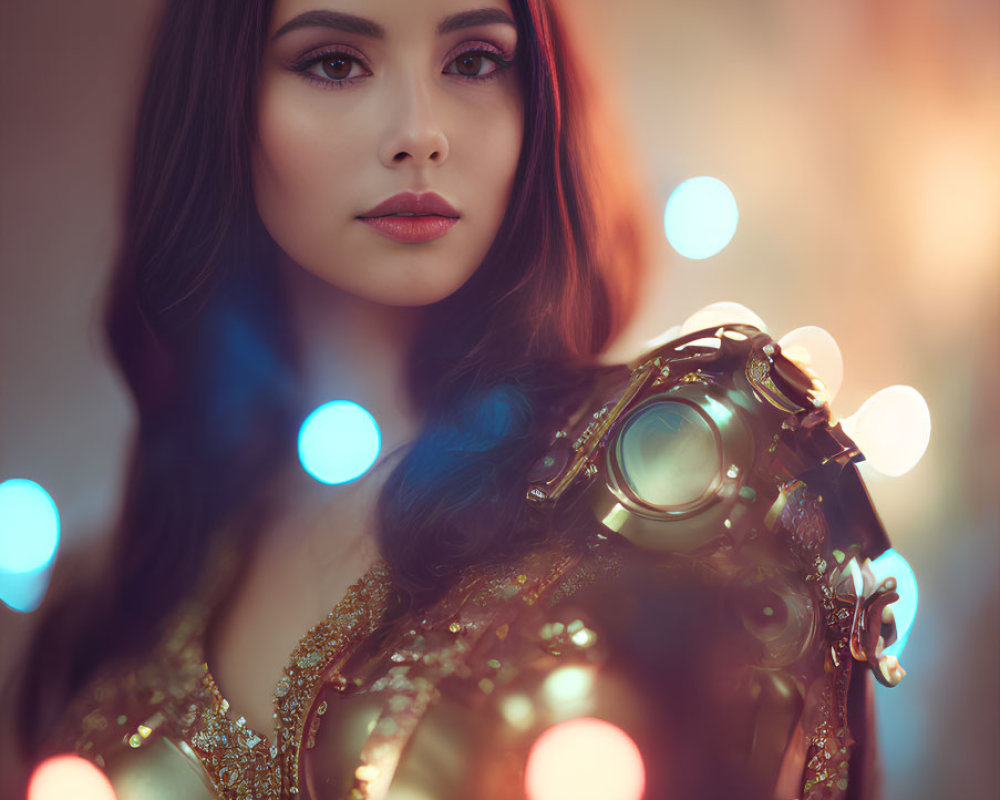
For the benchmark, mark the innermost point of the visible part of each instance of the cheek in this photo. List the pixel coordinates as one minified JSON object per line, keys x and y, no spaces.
{"x":299,"y":155}
{"x":486,"y":148}
{"x":497,"y":148}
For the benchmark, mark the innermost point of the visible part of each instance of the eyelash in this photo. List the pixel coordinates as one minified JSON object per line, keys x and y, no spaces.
{"x":303,"y":66}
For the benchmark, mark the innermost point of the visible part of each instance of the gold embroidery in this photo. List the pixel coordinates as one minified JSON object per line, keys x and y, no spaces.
{"x":246,"y":763}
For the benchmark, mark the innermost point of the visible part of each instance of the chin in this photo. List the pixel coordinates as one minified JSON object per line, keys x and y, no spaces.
{"x":413,"y":296}
{"x":421,"y":284}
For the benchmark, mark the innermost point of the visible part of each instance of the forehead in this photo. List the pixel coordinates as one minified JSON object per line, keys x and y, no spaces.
{"x":384,"y":18}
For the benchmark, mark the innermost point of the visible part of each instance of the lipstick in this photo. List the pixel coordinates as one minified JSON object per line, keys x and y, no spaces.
{"x":411,"y":218}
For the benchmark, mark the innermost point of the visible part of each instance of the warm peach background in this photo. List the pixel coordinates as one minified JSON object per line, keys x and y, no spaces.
{"x":862,"y":141}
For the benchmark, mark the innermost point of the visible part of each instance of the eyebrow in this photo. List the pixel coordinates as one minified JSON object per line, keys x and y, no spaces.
{"x":470,"y":19}
{"x":349,"y":23}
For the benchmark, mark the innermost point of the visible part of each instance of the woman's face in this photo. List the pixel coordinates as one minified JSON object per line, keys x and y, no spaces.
{"x":362,"y":101}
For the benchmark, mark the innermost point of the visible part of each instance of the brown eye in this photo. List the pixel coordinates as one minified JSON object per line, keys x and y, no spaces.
{"x":469,"y":64}
{"x":477,"y":64}
{"x":337,"y":67}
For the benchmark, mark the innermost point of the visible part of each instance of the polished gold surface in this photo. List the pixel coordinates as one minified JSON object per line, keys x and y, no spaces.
{"x":724,"y":611}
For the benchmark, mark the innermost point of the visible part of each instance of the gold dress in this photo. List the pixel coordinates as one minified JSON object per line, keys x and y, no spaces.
{"x":716,"y":606}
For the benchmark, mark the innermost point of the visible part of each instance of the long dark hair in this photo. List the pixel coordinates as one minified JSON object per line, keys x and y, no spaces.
{"x":199,"y":329}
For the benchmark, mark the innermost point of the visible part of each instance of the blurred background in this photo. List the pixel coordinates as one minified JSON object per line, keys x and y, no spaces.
{"x":861,"y":142}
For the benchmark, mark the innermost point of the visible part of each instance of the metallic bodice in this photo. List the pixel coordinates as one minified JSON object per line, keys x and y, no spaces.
{"x":715,"y":607}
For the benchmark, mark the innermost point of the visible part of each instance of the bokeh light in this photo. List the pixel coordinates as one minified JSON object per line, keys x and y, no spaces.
{"x":24,"y":591}
{"x":568,"y":684}
{"x":338,"y":442}
{"x":892,"y":428}
{"x":584,"y":759}
{"x":518,"y":711}
{"x":68,"y":776}
{"x":29,"y":527}
{"x":701,"y":217}
{"x":904,"y":610}
{"x":816,"y":349}
{"x":721,"y":313}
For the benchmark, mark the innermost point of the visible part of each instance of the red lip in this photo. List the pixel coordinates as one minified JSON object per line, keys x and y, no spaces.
{"x":411,"y":230}
{"x":428,"y":204}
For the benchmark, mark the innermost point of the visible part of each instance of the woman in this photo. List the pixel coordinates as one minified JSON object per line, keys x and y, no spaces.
{"x":407,"y":203}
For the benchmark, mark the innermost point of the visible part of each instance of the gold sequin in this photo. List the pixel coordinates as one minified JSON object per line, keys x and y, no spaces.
{"x":235,"y":756}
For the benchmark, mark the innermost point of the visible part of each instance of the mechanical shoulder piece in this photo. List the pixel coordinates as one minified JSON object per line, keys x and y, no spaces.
{"x":717,"y":442}
{"x":718,"y":452}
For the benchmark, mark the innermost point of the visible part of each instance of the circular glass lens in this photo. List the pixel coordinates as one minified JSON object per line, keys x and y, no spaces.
{"x":668,"y":454}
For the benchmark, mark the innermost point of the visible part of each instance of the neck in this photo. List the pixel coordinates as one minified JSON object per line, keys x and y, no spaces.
{"x":349,"y":349}
{"x":354,"y":349}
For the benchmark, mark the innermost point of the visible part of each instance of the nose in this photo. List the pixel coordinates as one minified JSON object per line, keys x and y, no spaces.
{"x":414,"y":134}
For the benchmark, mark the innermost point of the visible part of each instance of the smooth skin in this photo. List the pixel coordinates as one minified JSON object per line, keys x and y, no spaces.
{"x":414,"y":111}
{"x":346,"y":120}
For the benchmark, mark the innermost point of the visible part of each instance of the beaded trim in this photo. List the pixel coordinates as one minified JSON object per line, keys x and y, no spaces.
{"x":244,"y":763}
